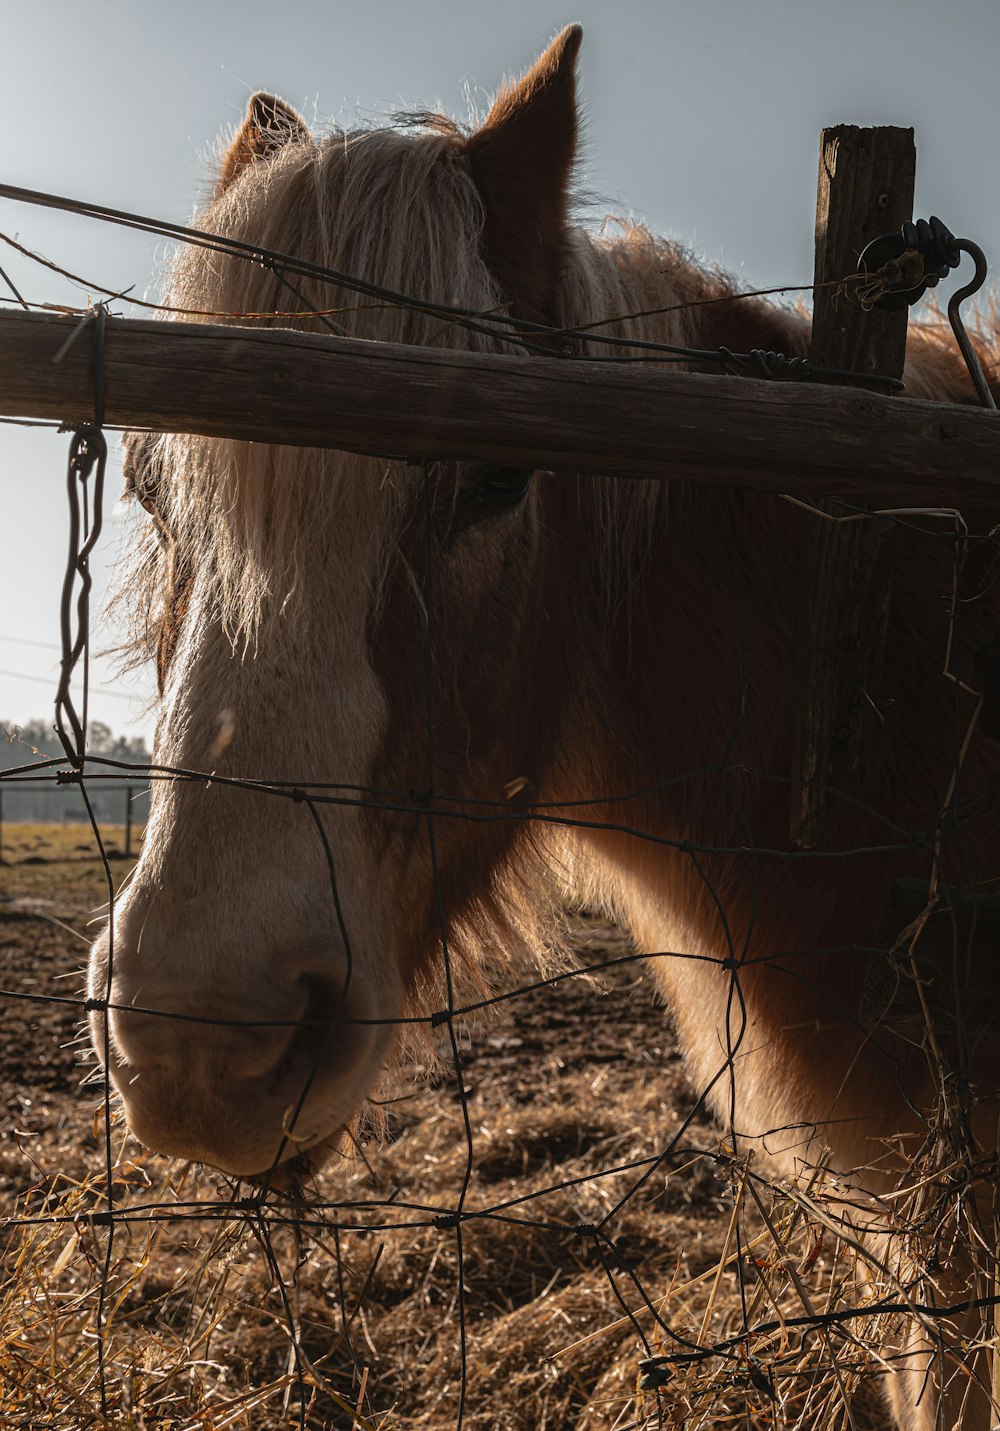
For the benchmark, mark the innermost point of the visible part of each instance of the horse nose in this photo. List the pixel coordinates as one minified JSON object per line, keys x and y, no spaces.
{"x":239,"y":1082}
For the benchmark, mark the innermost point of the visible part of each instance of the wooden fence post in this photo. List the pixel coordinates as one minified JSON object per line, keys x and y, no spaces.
{"x":866,"y":179}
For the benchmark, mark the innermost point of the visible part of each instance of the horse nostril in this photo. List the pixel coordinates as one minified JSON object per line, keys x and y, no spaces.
{"x":322,"y":1034}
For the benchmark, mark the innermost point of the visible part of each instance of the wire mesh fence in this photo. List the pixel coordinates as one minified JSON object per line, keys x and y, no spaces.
{"x":536,"y":1221}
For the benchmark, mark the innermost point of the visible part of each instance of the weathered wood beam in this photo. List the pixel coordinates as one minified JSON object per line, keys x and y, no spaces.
{"x":283,"y":386}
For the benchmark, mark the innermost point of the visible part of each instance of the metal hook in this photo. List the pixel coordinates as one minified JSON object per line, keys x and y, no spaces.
{"x":958,"y":327}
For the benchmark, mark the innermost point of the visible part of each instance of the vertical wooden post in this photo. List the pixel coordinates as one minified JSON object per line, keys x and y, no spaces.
{"x":866,"y":179}
{"x":128,"y":821}
{"x":1,"y":827}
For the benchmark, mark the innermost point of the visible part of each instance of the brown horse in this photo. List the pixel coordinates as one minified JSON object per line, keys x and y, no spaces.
{"x":520,"y":640}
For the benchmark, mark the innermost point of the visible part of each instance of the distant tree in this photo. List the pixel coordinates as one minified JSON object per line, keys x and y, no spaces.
{"x":43,"y":799}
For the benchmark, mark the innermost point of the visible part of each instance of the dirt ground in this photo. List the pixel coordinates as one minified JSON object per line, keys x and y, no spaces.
{"x":349,"y":1305}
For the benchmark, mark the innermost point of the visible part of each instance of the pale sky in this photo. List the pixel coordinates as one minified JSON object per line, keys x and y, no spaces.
{"x":702,"y":118}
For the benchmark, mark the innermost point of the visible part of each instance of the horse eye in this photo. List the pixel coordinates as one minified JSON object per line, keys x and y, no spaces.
{"x":144,"y":496}
{"x":145,"y":490}
{"x":491,"y":491}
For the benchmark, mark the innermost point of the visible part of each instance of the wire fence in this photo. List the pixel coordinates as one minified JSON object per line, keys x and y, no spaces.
{"x":537,"y":1298}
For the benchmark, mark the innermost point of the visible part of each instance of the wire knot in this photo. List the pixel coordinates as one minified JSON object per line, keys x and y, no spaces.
{"x":898,"y":268}
{"x":653,"y":1374}
{"x":762,"y":363}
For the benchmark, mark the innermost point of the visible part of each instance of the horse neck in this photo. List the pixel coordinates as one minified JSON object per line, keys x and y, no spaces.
{"x":675,"y":578}
{"x":672,"y":298}
{"x":680,"y":303}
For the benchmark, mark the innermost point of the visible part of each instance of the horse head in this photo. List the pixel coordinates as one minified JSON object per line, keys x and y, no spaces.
{"x":337,"y":639}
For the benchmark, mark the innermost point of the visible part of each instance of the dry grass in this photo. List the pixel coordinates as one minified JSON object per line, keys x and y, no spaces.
{"x":341,"y":1308}
{"x":60,"y":863}
{"x":48,"y":842}
{"x":196,"y":1329}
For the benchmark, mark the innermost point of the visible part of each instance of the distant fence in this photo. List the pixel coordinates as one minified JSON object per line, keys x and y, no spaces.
{"x":112,"y":806}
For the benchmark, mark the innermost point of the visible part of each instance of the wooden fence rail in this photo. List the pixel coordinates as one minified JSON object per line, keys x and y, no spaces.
{"x":624,"y":419}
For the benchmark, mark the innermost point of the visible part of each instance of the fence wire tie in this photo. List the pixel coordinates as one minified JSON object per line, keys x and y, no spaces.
{"x":761,"y":363}
{"x":88,"y":454}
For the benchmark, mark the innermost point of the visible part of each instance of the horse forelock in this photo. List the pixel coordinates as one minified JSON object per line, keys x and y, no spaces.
{"x":392,"y":206}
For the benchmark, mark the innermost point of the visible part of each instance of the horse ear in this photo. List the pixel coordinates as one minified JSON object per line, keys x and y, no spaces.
{"x":270,"y":123}
{"x":521,"y":159}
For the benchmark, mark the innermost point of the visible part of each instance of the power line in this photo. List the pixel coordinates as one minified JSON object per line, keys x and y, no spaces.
{"x":26,"y":641}
{"x":50,"y":681}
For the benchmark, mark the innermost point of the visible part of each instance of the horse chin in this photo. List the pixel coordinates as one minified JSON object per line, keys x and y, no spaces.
{"x":291,"y":1176}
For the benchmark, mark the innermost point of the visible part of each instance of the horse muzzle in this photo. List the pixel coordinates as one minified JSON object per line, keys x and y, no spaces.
{"x":241,"y":1084}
